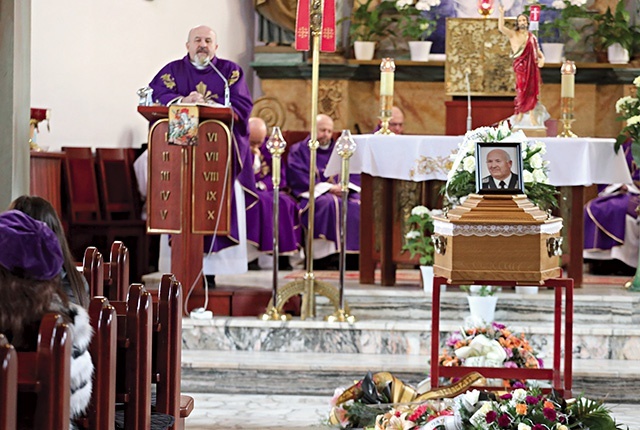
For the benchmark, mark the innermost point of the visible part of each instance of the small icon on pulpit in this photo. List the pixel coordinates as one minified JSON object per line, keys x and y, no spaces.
{"x":183,"y":125}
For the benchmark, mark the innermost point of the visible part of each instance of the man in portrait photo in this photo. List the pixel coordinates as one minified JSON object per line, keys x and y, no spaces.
{"x":500,"y":176}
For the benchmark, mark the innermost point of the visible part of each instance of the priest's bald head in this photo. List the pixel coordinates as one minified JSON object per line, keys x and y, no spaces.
{"x":202,"y":45}
{"x":324,"y":126}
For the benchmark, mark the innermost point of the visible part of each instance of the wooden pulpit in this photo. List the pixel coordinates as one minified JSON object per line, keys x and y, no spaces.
{"x":186,"y":194}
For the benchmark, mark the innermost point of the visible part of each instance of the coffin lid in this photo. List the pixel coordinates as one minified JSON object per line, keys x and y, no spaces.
{"x":497,"y":209}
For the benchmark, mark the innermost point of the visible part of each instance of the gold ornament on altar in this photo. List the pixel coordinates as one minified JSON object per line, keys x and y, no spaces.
{"x":387,"y":71}
{"x":567,"y":94}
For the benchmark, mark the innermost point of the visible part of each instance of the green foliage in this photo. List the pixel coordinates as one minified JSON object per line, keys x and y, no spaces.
{"x":415,"y":24}
{"x":556,"y":23}
{"x":628,"y":109}
{"x":614,"y":27}
{"x":418,"y":239}
{"x":484,"y":291}
{"x":369,"y":22}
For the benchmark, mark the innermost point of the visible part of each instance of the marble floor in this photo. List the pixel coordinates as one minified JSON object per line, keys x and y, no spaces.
{"x":260,"y":411}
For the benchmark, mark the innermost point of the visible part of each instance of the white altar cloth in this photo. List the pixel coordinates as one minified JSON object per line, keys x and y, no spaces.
{"x":573,"y":161}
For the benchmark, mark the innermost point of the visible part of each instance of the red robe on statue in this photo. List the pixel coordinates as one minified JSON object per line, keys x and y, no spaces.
{"x":527,"y":73}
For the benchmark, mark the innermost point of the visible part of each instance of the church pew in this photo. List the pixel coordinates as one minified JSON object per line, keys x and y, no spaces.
{"x":116,"y":272}
{"x":133,"y":375}
{"x":44,"y":377}
{"x":8,"y":384}
{"x":167,"y":352}
{"x":101,"y":412}
{"x":93,"y":271}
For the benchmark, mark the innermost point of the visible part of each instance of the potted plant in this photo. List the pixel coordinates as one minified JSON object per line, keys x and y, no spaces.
{"x":368,"y":23}
{"x":418,"y":242}
{"x":482,"y":303}
{"x":416,"y":23}
{"x":557,"y":26}
{"x":614,"y":33}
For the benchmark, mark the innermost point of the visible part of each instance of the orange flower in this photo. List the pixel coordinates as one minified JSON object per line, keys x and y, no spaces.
{"x":548,"y":405}
{"x":521,"y":409}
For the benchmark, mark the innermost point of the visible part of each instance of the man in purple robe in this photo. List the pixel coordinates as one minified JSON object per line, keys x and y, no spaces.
{"x":202,"y":77}
{"x":610,"y":220}
{"x":328,"y":194}
{"x":260,"y":216}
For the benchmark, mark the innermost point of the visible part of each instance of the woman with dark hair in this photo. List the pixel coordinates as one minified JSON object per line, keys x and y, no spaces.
{"x":73,"y":283}
{"x":30,"y":265}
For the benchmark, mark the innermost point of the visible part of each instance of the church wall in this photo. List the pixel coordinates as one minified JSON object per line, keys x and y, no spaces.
{"x":89,"y":58}
{"x":356,"y":102}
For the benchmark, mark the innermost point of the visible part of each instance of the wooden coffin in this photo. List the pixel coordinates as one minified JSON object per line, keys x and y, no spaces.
{"x":497,"y":237}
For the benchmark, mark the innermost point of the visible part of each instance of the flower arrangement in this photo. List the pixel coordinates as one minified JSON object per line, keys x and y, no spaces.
{"x":416,"y":21}
{"x":495,"y":345}
{"x":555,"y":20}
{"x":524,"y":409}
{"x":418,"y":238}
{"x":628,"y":109}
{"x":462,"y":177}
{"x":520,"y":409}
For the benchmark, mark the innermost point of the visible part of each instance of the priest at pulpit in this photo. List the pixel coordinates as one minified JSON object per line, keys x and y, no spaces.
{"x":201,"y":77}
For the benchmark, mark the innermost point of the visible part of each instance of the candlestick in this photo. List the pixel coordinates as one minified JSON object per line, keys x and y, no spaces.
{"x":276,"y":146}
{"x":387,"y":70}
{"x":345,"y":147}
{"x":567,"y":94}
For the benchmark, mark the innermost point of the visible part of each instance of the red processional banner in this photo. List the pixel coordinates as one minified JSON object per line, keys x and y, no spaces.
{"x":328,"y":29}
{"x":328,"y":36}
{"x":303,"y":31}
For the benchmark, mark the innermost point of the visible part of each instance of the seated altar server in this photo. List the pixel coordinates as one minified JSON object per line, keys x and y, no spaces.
{"x":202,"y":77}
{"x":260,"y":216}
{"x":327,"y":194}
{"x":611,"y":230}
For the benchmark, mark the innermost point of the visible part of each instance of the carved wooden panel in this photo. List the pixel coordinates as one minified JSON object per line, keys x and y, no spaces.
{"x":475,"y":46}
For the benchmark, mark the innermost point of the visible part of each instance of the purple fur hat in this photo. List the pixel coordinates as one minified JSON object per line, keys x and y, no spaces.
{"x":28,"y":248}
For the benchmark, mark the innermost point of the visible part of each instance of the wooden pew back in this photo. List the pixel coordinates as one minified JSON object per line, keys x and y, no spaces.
{"x":116,"y":272}
{"x":8,"y":385}
{"x":167,"y":351}
{"x":46,"y":374}
{"x":133,"y":375}
{"x":101,"y":411}
{"x":93,"y":271}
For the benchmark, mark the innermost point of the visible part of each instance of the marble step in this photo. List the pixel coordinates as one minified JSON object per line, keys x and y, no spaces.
{"x":396,"y":338}
{"x":281,"y":373}
{"x":403,"y":304}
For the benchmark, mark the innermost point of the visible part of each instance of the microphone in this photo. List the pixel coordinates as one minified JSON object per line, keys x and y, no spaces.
{"x":227,"y":96}
{"x":466,"y":78}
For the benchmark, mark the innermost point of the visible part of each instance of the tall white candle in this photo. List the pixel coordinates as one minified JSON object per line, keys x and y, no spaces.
{"x":386,"y":83}
{"x":567,"y":86}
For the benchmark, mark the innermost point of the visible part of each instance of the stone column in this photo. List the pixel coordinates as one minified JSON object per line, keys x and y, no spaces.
{"x":15,"y":94}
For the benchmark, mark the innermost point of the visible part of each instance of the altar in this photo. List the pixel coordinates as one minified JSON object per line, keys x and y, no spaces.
{"x":386,"y":160}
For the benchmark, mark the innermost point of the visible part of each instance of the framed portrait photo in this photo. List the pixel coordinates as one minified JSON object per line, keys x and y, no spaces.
{"x":499,"y":168}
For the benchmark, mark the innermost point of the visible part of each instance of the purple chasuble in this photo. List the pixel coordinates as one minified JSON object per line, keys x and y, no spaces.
{"x":328,"y":207}
{"x":604,"y":216}
{"x":260,"y":216}
{"x":179,"y":78}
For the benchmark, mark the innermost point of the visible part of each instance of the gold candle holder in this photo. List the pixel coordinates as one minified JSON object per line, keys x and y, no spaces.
{"x":567,"y":95}
{"x":387,"y":71}
{"x":276,"y":146}
{"x":345,"y":147}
